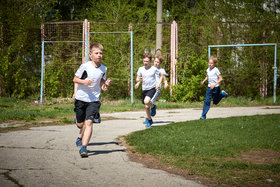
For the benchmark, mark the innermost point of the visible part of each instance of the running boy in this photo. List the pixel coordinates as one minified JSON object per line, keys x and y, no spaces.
{"x":157,"y":63}
{"x":90,"y":78}
{"x":147,"y":74}
{"x":214,"y":78}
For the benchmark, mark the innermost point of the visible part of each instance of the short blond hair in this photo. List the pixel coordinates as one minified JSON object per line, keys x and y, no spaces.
{"x":214,"y":59}
{"x":96,"y":45}
{"x":160,"y":57}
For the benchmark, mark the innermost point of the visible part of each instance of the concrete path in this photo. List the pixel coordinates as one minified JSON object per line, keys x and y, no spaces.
{"x":47,"y":156}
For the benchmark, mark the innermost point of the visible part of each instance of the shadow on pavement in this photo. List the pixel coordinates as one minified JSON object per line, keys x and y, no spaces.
{"x":101,"y":152}
{"x":103,"y":143}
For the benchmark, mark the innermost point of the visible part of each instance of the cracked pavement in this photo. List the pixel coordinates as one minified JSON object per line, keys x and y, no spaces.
{"x":47,"y":156}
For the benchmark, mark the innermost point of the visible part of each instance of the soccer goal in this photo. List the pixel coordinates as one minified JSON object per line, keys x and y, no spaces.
{"x":248,"y":45}
{"x":65,"y":45}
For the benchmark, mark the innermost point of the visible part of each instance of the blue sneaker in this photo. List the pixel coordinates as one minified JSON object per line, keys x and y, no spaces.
{"x":224,"y":93}
{"x":154,"y":110}
{"x":79,"y":142}
{"x":83,"y":152}
{"x":149,"y":124}
{"x":202,"y":117}
{"x":75,"y":120}
{"x":146,"y":121}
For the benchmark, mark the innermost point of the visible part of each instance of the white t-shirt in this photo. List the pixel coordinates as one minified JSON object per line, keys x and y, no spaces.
{"x":163,"y":72}
{"x":148,"y":77}
{"x":213,"y":76}
{"x":90,"y":93}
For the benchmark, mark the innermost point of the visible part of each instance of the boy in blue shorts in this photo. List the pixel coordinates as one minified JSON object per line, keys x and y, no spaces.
{"x":91,"y":78}
{"x":157,"y":63}
{"x":147,"y":75}
{"x":214,"y":78}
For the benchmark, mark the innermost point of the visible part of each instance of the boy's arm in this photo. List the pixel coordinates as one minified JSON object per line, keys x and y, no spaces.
{"x":218,"y":82}
{"x":165,"y":82}
{"x":202,"y":82}
{"x":160,"y":80}
{"x":138,"y":81}
{"x":80,"y":81}
{"x":75,"y":90}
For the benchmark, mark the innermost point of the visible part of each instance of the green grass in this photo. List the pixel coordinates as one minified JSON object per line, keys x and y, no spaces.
{"x":211,"y":148}
{"x":27,"y":110}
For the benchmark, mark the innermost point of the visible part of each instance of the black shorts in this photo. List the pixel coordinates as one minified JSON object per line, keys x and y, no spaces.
{"x":150,"y":93}
{"x":87,"y":111}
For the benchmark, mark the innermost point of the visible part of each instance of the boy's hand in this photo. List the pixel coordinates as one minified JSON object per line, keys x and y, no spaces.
{"x":212,"y":86}
{"x":73,"y":96}
{"x":104,"y":88}
{"x":108,"y":82}
{"x":88,"y":81}
{"x":157,"y":86}
{"x":137,"y":85}
{"x":202,"y":82}
{"x":165,"y":85}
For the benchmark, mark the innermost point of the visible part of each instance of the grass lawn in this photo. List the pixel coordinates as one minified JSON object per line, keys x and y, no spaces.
{"x":27,"y":110}
{"x":235,"y":151}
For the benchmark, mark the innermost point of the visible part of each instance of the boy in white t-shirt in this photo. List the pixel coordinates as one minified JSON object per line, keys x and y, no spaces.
{"x":157,"y":63}
{"x":147,"y":74}
{"x":90,"y":78}
{"x":214,"y":78}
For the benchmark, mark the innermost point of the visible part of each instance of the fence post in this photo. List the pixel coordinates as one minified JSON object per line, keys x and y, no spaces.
{"x":173,"y":55}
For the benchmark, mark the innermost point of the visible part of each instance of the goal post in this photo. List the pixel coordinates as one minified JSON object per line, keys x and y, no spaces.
{"x":247,"y":45}
{"x":67,"y":34}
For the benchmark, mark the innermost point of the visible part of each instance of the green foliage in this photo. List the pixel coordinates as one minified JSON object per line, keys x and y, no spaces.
{"x":62,"y":60}
{"x":20,"y":46}
{"x":200,"y":23}
{"x":190,"y":72}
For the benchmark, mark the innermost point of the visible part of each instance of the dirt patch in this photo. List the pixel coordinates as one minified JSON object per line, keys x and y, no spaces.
{"x":260,"y":157}
{"x":23,"y":125}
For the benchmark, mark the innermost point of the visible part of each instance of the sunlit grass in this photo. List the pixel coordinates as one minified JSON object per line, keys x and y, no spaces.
{"x":211,"y":148}
{"x":28,"y":110}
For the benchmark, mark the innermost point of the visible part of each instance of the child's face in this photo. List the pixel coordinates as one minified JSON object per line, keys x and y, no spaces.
{"x":157,"y":63}
{"x":211,"y":64}
{"x":146,"y":61}
{"x":96,"y":55}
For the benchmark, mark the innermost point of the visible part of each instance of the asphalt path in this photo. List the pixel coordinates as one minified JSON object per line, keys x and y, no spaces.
{"x":47,"y":156}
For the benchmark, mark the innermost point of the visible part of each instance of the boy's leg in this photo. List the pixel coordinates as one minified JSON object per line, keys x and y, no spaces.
{"x":80,"y":112}
{"x":147,"y":107}
{"x":207,"y":103}
{"x":217,"y":95}
{"x":147,"y":103}
{"x":87,"y":132}
{"x":153,"y":94}
{"x":91,"y":111}
{"x":154,"y":98}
